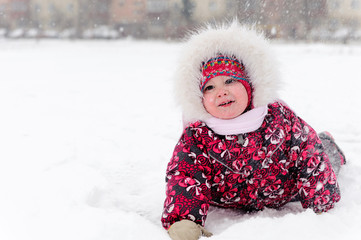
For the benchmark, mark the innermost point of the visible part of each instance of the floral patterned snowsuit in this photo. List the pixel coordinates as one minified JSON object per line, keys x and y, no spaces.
{"x":282,"y":160}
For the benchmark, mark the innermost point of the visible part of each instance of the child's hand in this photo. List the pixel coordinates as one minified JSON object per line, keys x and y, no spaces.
{"x":187,"y":230}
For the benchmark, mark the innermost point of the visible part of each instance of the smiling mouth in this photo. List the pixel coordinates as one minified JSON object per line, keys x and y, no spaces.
{"x":226,"y":104}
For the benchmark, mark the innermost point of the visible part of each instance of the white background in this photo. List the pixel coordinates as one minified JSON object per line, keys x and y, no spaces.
{"x":87,"y":129}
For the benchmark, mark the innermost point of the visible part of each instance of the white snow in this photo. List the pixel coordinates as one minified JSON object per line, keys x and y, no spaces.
{"x":88,"y":127}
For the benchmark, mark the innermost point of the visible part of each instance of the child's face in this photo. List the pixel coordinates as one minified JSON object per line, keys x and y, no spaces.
{"x":224,"y":97}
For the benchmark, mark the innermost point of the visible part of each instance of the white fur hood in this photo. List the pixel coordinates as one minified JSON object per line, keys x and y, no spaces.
{"x":246,"y":45}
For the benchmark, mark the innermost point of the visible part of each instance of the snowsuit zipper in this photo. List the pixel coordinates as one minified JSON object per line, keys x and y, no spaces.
{"x":236,"y":172}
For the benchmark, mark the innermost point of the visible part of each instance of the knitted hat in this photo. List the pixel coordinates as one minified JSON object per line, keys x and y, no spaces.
{"x":222,"y":65}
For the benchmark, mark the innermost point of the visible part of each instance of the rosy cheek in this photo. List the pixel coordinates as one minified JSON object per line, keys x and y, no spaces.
{"x":208,"y":102}
{"x":209,"y":99}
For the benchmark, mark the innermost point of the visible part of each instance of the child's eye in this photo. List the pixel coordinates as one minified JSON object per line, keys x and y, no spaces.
{"x":209,"y":87}
{"x":231,"y":80}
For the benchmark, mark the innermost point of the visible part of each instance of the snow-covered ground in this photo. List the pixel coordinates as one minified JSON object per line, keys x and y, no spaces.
{"x":87,"y":129}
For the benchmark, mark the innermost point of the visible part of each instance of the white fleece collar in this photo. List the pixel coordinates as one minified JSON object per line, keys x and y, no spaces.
{"x":246,"y":122}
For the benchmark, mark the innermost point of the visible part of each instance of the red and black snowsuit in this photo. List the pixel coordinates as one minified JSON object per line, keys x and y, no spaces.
{"x":269,"y":167}
{"x":280,"y":160}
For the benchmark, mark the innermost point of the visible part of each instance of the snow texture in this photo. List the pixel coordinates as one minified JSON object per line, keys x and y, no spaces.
{"x":87,"y":129}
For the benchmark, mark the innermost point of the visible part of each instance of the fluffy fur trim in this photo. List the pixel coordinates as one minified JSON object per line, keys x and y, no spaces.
{"x":246,"y":44}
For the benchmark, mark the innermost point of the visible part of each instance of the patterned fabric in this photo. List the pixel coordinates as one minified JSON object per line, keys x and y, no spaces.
{"x":225,"y":66}
{"x":284,"y":159}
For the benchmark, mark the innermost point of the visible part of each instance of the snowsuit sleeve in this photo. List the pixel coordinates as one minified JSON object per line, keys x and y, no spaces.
{"x":316,"y":181}
{"x":188,"y":189}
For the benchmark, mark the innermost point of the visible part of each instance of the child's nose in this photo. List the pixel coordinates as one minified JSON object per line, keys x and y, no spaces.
{"x":222,"y":92}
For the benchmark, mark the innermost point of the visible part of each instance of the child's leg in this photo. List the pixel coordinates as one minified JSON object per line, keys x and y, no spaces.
{"x":335,"y":154}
